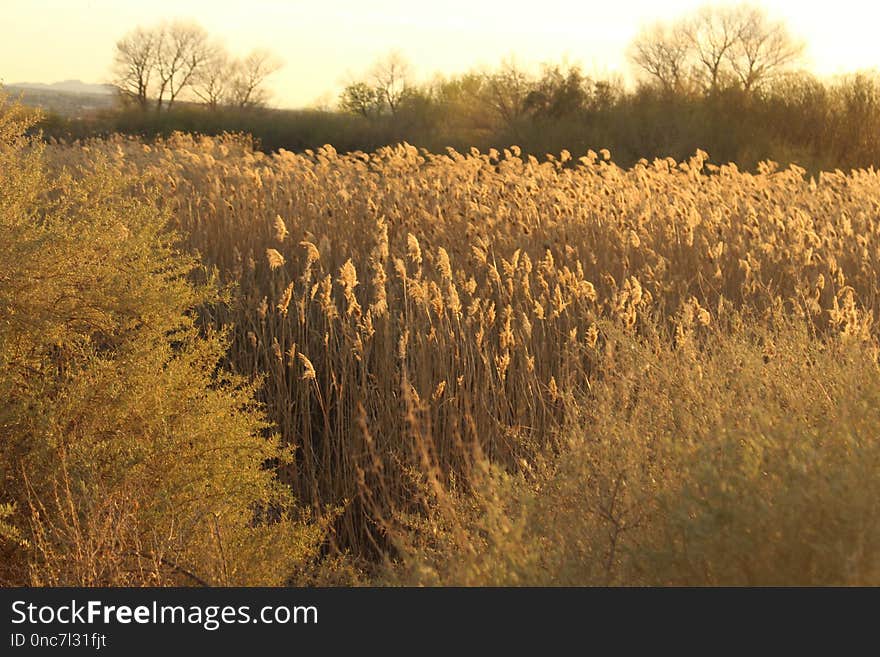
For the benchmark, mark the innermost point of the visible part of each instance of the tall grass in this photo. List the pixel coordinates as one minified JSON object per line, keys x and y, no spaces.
{"x":732,"y":464}
{"x":503,"y":369}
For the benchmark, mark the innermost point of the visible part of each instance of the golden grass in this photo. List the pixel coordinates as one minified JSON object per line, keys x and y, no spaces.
{"x":409,"y":308}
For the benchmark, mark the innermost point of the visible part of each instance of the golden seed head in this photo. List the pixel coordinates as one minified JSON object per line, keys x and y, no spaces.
{"x":275,"y":259}
{"x":284,"y":302}
{"x":413,"y":249}
{"x":309,"y":369}
{"x":281,"y":231}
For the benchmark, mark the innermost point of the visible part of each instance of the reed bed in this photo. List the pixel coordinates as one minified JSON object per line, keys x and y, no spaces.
{"x":405,"y":311}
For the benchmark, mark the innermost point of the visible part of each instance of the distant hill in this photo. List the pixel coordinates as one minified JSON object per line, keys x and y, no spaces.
{"x":68,"y":86}
{"x":70,"y":98}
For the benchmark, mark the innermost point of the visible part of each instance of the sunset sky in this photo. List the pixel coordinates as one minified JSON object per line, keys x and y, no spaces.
{"x":323,"y":44}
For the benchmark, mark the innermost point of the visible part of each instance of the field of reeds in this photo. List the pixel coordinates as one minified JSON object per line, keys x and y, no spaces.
{"x":408,"y":368}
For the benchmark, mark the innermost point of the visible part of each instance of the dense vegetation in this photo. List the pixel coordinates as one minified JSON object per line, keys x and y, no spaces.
{"x":728,"y":79}
{"x":222,"y":365}
{"x":819,"y":125}
{"x":127,"y":456}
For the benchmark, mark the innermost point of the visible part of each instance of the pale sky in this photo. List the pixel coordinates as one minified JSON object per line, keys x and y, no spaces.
{"x":325,"y":43}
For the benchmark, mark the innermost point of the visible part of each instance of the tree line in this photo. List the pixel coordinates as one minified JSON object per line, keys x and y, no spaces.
{"x":715,"y":49}
{"x":727,"y":80}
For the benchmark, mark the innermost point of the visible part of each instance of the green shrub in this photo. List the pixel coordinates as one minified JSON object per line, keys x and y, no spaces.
{"x":127,"y":457}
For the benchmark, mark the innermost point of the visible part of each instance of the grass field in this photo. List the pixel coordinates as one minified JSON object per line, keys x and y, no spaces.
{"x":226,"y":367}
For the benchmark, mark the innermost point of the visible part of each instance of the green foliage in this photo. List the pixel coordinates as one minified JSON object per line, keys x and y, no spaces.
{"x":127,"y":456}
{"x":361,"y":99}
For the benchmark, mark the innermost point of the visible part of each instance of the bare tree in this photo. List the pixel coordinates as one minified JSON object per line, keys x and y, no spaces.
{"x":247,"y":85}
{"x":508,"y":90}
{"x":162,"y":62}
{"x":392,"y":77}
{"x":663,"y":52}
{"x":713,"y":33}
{"x":133,"y":64}
{"x":763,"y":50}
{"x":182,"y":49}
{"x":212,"y":81}
{"x":718,"y":46}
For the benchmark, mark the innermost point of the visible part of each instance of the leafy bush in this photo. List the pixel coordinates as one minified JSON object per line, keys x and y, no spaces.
{"x":127,"y":456}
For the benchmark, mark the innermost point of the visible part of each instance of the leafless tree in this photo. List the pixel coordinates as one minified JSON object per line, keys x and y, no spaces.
{"x":182,"y":49}
{"x":212,"y":81}
{"x":717,"y":46}
{"x":391,"y":76}
{"x":508,"y":90}
{"x":763,"y":50}
{"x":381,"y":90}
{"x":663,"y":52}
{"x":162,"y":62}
{"x":133,"y":64}
{"x":713,"y":33}
{"x":247,"y":84}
